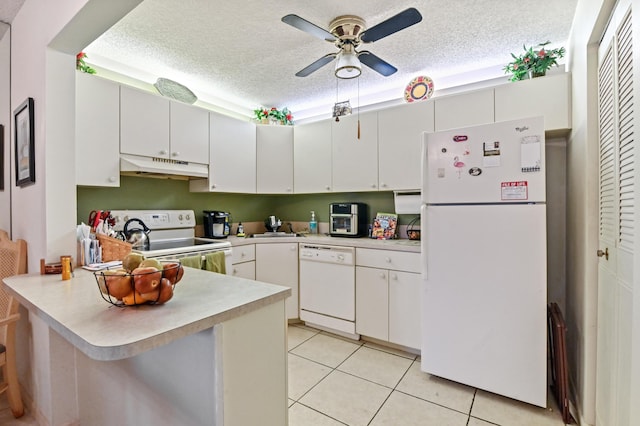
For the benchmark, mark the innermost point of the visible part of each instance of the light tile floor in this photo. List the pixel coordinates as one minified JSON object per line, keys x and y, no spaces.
{"x":337,"y":381}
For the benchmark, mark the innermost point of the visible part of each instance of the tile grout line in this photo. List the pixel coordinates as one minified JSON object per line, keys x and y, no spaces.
{"x":394,"y":389}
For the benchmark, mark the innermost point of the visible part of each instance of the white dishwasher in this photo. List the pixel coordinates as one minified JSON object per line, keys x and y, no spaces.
{"x":327,"y":288}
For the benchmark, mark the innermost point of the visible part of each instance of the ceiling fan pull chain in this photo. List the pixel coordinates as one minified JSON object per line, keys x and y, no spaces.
{"x":358,"y":109}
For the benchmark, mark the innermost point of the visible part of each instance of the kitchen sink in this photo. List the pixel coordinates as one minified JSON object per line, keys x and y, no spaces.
{"x":277,"y":234}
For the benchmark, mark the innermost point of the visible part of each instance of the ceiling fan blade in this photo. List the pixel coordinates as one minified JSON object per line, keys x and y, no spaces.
{"x":308,"y":27}
{"x":316,"y":65}
{"x":376,"y":64}
{"x":392,"y":25}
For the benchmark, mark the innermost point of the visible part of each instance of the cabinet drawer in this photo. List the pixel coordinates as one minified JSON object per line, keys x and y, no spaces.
{"x":244,"y":270}
{"x":387,"y":259}
{"x":243,"y":253}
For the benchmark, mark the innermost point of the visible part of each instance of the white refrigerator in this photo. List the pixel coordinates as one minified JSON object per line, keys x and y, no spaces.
{"x":483,"y":221}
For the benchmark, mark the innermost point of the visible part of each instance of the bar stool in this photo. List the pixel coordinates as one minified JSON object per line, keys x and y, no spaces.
{"x":13,"y":261}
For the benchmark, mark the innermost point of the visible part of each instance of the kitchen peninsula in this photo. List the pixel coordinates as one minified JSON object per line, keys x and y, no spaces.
{"x":217,"y":347}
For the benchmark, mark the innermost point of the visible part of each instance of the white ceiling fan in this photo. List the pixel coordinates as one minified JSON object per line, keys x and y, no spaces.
{"x":347,"y":33}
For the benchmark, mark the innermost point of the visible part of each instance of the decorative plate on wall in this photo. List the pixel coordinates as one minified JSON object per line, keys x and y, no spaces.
{"x":418,"y":89}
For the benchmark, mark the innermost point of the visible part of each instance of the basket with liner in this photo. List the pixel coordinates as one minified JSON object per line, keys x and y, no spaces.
{"x":140,"y":281}
{"x":113,"y":248}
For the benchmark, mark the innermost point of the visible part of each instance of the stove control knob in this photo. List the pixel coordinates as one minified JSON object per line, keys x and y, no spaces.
{"x":180,"y":217}
{"x":188,"y":217}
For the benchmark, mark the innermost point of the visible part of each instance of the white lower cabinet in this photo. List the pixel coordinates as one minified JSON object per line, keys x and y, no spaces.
{"x":277,"y":263}
{"x":243,"y":260}
{"x":388,"y":296}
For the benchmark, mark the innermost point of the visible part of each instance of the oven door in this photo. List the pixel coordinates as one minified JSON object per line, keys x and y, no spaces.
{"x":343,"y":224}
{"x":202,"y":253}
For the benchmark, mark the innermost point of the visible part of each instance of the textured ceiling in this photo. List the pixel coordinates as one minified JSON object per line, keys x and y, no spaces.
{"x":8,"y":11}
{"x":239,"y":55}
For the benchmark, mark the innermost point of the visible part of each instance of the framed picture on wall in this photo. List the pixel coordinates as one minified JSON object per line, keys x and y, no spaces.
{"x":25,"y":143}
{"x":1,"y":157}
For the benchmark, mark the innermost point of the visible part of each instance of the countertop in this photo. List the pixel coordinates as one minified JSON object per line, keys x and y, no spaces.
{"x":397,"y":244}
{"x":75,"y":309}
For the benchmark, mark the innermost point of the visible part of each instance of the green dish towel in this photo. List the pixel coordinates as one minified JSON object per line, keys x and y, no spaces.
{"x":214,"y":262}
{"x":192,"y":261}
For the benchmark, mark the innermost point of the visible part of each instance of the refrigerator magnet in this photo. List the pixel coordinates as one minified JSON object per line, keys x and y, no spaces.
{"x":475,"y":171}
{"x":460,"y":138}
{"x":491,"y":154}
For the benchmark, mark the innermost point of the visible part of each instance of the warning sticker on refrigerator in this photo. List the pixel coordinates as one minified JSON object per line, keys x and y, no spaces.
{"x":518,"y":190}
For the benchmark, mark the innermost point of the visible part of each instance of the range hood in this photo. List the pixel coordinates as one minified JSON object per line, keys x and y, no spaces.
{"x":136,"y":165}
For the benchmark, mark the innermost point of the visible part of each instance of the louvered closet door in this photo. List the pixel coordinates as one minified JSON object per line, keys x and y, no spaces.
{"x":616,"y":108}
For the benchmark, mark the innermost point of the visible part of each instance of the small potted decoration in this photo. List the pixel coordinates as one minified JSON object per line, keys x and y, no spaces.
{"x":273,"y":115}
{"x":533,"y":62}
{"x":81,"y":65}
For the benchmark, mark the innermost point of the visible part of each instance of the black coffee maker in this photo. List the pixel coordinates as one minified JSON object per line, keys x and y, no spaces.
{"x":217,"y":224}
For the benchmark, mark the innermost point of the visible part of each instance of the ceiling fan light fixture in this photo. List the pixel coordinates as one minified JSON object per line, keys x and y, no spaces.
{"x":347,"y":65}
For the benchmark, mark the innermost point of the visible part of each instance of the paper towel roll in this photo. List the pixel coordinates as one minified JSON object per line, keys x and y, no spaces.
{"x":407,"y":202}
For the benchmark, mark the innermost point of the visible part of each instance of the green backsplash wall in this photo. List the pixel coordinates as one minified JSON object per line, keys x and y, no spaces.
{"x":138,"y":193}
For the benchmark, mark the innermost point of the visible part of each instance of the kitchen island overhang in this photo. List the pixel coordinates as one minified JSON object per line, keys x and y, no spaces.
{"x":195,"y":359}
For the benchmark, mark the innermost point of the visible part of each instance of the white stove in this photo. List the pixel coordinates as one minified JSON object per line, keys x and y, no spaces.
{"x":172,"y":234}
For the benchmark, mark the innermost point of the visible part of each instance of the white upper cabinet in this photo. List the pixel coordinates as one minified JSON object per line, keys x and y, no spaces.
{"x":97,"y":131}
{"x":399,"y":144}
{"x":465,"y":109}
{"x":189,"y":133}
{"x":355,"y":161}
{"x":549,"y":96}
{"x":312,"y":157}
{"x":144,"y":123}
{"x":232,"y":156}
{"x":274,"y":157}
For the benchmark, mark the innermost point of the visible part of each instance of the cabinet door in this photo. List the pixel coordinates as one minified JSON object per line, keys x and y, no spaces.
{"x":97,"y":131}
{"x":372,"y":302}
{"x":465,"y":109}
{"x":144,"y":123}
{"x":355,"y":161}
{"x":274,"y":156}
{"x":244,"y":270}
{"x":277,"y":263}
{"x":404,"y":309}
{"x":530,"y":98}
{"x":232,"y":157}
{"x":312,"y":157}
{"x":189,"y":132}
{"x":399,"y":144}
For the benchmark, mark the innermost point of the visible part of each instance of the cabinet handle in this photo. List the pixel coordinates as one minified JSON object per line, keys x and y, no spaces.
{"x":175,"y":154}
{"x":373,"y":185}
{"x":213,"y":186}
{"x":163,"y":152}
{"x":112,"y":179}
{"x":328,"y":188}
{"x":394,"y":277}
{"x":235,"y":271}
{"x":292,"y":248}
{"x":243,"y":254}
{"x":383,"y":275}
{"x":288,"y":189}
{"x":384,"y":185}
{"x":387,"y":259}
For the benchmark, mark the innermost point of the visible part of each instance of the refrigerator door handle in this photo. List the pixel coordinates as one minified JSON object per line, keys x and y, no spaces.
{"x":423,"y":240}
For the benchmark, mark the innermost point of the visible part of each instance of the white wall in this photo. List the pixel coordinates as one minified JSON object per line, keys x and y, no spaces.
{"x":45,"y":36}
{"x":582,"y":204}
{"x":5,"y":120}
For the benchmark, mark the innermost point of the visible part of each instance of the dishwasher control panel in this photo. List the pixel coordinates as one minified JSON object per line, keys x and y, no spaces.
{"x":327,"y":254}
